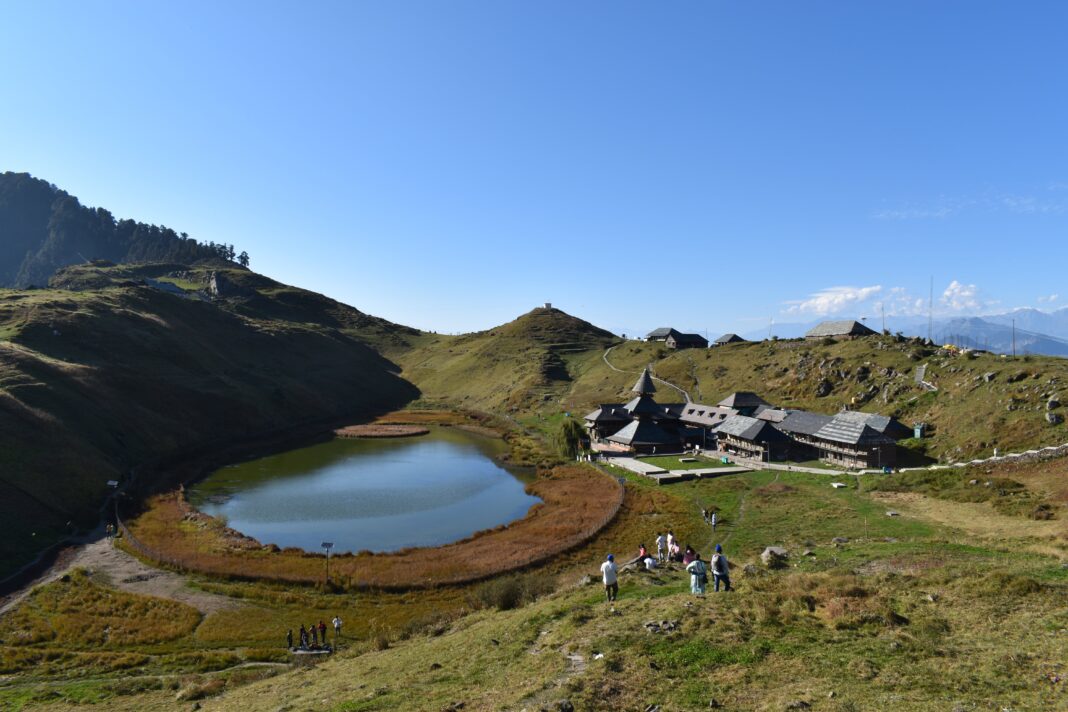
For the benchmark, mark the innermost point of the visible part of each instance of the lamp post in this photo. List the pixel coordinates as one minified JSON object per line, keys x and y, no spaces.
{"x":327,"y":546}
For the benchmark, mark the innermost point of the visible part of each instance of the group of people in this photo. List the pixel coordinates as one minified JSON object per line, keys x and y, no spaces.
{"x":313,"y":637}
{"x":668,"y":549}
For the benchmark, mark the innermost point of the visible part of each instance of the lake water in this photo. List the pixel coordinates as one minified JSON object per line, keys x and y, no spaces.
{"x":375,"y":494}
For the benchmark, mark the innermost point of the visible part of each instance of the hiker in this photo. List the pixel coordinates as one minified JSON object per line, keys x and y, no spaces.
{"x":322,"y":631}
{"x":689,"y":556}
{"x":289,"y":639}
{"x":303,"y":637}
{"x":698,"y":575}
{"x":721,"y":570}
{"x":704,"y":515}
{"x":661,"y":546}
{"x":611,"y":581}
{"x":642,"y":552}
{"x":337,"y":626}
{"x":712,"y":520}
{"x":674,"y":554}
{"x":671,"y":543}
{"x":314,"y":635}
{"x":650,"y":563}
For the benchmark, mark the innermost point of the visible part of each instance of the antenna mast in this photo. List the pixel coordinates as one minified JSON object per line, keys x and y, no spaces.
{"x":930,"y":313}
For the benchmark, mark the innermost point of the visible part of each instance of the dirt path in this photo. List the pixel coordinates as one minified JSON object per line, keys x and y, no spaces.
{"x":658,"y":380}
{"x":112,"y":566}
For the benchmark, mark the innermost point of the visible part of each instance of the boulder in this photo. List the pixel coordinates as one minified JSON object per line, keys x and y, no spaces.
{"x":1053,"y":403}
{"x":1054,"y":418}
{"x":774,"y":557}
{"x":840,"y":540}
{"x":989,"y":376}
{"x":823,"y":388}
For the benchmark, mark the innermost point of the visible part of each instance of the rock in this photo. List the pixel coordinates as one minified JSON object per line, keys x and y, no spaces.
{"x":1054,"y":418}
{"x":831,"y":695}
{"x":1052,"y":403}
{"x":892,"y":513}
{"x":798,"y":705}
{"x":714,"y":704}
{"x":750,"y":570}
{"x":932,"y":597}
{"x":808,"y":552}
{"x":989,"y":376}
{"x":774,"y":557}
{"x":586,"y":580}
{"x":454,"y":707}
{"x":823,"y":388}
{"x":565,"y":706}
{"x":435,"y":666}
{"x":973,"y":482}
{"x":840,"y":540}
{"x":652,"y":708}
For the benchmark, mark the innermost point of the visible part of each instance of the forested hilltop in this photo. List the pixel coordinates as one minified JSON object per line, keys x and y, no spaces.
{"x":43,"y":229}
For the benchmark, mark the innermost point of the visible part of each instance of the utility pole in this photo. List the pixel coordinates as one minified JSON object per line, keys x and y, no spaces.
{"x":930,"y":313}
{"x":882,"y":309}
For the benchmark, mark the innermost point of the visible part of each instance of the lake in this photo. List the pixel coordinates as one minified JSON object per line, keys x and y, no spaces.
{"x":379,"y":494}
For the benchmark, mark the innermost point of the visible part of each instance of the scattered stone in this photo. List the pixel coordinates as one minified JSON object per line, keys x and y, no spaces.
{"x":586,"y":580}
{"x":798,"y":705}
{"x":808,"y":552}
{"x":454,"y":707}
{"x":774,"y":557}
{"x":892,"y":513}
{"x":435,"y":666}
{"x":1053,"y":403}
{"x":973,"y":482}
{"x":495,"y":641}
{"x":989,"y":376}
{"x":714,"y":704}
{"x":840,"y":540}
{"x":932,"y":597}
{"x":831,"y":695}
{"x":1054,"y":418}
{"x":652,"y":708}
{"x":823,"y":388}
{"x":565,"y":706}
{"x":750,"y":570}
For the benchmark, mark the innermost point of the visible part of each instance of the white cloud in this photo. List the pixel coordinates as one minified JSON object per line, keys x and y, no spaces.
{"x":961,"y":297}
{"x":832,"y":300}
{"x":1049,"y":299}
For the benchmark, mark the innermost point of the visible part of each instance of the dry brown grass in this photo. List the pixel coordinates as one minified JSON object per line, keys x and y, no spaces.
{"x":577,"y":502}
{"x":381,"y":430}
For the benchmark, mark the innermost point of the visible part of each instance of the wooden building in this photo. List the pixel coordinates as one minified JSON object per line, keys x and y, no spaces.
{"x":839,"y":330}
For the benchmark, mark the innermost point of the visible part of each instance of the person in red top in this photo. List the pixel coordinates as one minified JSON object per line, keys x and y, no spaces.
{"x":642,"y":553}
{"x":322,"y":632}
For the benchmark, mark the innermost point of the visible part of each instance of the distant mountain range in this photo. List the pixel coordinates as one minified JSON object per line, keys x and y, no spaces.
{"x":1036,"y":332}
{"x":43,"y":229}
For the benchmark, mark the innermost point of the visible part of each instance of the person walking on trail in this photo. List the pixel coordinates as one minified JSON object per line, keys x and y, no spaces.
{"x":337,"y":627}
{"x":670,"y":541}
{"x":721,"y":570}
{"x":303,"y":637}
{"x":704,"y":515}
{"x":322,"y":632}
{"x":314,"y":635}
{"x":611,"y":578}
{"x":289,"y":639}
{"x":698,"y":575}
{"x":661,"y":546}
{"x":712,"y":520}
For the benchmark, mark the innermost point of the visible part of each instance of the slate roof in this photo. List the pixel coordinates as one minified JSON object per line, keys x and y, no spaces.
{"x":661,"y":333}
{"x":705,"y":415}
{"x":689,"y":340}
{"x":772,"y":415}
{"x":645,"y":405}
{"x":644,"y":384}
{"x":742,"y":399}
{"x":644,"y":432}
{"x":609,"y":413}
{"x":803,"y":422}
{"x":848,"y":327}
{"x":729,"y":339}
{"x":752,"y":429}
{"x":882,"y":424}
{"x":851,"y":431}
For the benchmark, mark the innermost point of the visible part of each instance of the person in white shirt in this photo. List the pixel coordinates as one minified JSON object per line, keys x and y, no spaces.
{"x":698,"y":575}
{"x":712,"y":519}
{"x":337,"y":627}
{"x":610,"y":575}
{"x":670,"y":541}
{"x":661,"y":546}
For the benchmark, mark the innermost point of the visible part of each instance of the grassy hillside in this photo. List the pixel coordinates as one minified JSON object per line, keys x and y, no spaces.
{"x":511,"y":368}
{"x":952,"y":604}
{"x":107,"y":374}
{"x":982,"y":402}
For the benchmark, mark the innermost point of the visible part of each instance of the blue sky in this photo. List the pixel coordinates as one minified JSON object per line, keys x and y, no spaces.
{"x":450,"y":165}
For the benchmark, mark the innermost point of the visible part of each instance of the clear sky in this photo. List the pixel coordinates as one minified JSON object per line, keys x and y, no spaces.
{"x":451,"y":164}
